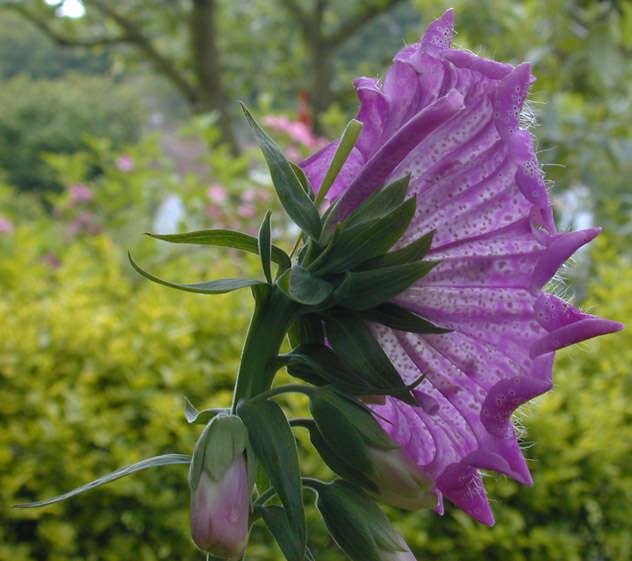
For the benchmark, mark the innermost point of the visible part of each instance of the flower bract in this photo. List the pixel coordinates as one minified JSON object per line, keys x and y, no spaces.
{"x":451,"y":120}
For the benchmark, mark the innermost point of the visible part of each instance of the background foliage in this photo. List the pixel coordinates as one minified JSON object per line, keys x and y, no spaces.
{"x":95,"y":149}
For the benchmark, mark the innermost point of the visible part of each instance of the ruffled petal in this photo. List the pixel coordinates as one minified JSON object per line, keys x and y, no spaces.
{"x":451,"y":120}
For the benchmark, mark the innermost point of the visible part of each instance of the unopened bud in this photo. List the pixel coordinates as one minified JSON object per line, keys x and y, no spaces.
{"x":219,"y":512}
{"x":220,"y":489}
{"x":356,"y":447}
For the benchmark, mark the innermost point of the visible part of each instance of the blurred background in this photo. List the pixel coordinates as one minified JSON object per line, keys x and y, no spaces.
{"x":118,"y":118}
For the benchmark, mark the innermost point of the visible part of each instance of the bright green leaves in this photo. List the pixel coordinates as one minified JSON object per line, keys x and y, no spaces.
{"x":298,"y":205}
{"x":275,"y":449}
{"x":165,"y":460}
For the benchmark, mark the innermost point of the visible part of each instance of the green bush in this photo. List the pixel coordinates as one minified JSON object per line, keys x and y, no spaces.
{"x":41,"y":116}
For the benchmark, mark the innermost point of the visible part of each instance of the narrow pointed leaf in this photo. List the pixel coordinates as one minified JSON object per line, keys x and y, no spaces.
{"x":265,"y":247}
{"x":399,"y":318}
{"x":354,"y":343}
{"x":295,"y":201}
{"x":275,"y":448}
{"x":362,"y":290}
{"x":410,"y":253}
{"x":277,"y":522}
{"x":380,"y":203}
{"x":226,"y":238}
{"x":366,"y":240}
{"x":193,"y":416}
{"x":220,"y":286}
{"x":305,"y":183}
{"x":165,"y":460}
{"x":347,"y":142}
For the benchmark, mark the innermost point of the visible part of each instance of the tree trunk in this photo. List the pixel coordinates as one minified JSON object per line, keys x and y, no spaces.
{"x":210,"y":94}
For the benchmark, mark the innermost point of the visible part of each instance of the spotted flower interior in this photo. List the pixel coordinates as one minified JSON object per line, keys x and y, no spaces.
{"x":451,"y":120}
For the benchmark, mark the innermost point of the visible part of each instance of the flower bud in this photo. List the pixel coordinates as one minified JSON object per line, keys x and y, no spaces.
{"x":220,"y":488}
{"x":355,"y":446}
{"x":219,"y":512}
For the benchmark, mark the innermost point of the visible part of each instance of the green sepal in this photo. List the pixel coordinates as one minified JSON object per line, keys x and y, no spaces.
{"x":276,"y":520}
{"x":193,"y":416}
{"x":305,"y":183}
{"x":275,"y":448}
{"x":414,"y":251}
{"x":304,"y":287}
{"x":265,"y":247}
{"x":355,"y":522}
{"x":379,"y":204}
{"x":164,"y":460}
{"x":365,"y":240}
{"x":394,"y":316}
{"x":299,"y":207}
{"x":362,"y":290}
{"x":326,"y":403}
{"x":336,"y":462}
{"x":307,"y":329}
{"x":355,"y":344}
{"x":347,"y":141}
{"x":222,"y":440}
{"x":220,"y":286}
{"x":227,"y":238}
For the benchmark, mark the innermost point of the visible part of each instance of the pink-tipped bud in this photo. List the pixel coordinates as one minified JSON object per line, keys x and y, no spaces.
{"x":219,"y":511}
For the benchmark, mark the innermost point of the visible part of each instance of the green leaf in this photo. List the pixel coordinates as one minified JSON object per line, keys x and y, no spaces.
{"x":399,"y":318}
{"x":275,"y":448}
{"x":165,"y":460}
{"x":380,"y":203}
{"x":305,"y":183}
{"x":265,"y":247}
{"x":276,"y":520}
{"x":211,"y":287}
{"x":193,"y":416}
{"x":365,"y":240}
{"x":354,"y":343}
{"x":295,"y":201}
{"x":355,"y":522}
{"x":410,"y":253}
{"x":361,"y":290}
{"x":347,"y":142}
{"x":306,"y":288}
{"x":226,"y":238}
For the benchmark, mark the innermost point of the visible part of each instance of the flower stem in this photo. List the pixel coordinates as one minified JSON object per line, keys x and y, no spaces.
{"x":274,"y":313}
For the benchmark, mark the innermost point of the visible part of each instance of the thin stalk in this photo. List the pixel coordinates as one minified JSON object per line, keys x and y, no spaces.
{"x":273,"y":315}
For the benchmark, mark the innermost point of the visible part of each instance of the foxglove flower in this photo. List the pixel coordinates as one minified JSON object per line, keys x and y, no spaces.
{"x":451,"y":120}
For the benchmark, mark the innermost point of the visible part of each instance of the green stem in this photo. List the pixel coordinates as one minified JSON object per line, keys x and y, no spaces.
{"x":273,"y":315}
{"x":286,"y":388}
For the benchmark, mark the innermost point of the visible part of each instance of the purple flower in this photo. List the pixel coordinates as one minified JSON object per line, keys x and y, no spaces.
{"x":451,"y":120}
{"x":125,"y":163}
{"x":6,"y":226}
{"x":79,"y":193}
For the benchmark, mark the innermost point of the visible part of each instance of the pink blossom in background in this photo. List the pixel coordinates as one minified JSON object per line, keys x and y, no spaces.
{"x":125,"y":163}
{"x":249,"y":195}
{"x":297,"y":131}
{"x":451,"y":121}
{"x":217,"y":194}
{"x":246,"y":211}
{"x":51,"y":260}
{"x":213,"y":212}
{"x":85,"y":224}
{"x":6,"y":226}
{"x":80,"y":193}
{"x":264,"y":194}
{"x":293,"y":153}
